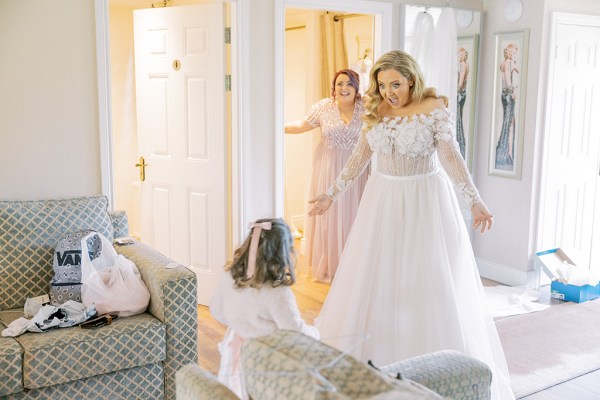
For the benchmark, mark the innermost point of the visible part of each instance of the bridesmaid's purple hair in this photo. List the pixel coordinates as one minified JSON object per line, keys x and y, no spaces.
{"x":354,"y":79}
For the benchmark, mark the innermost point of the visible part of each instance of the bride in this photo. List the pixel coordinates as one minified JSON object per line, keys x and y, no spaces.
{"x":407,"y":283}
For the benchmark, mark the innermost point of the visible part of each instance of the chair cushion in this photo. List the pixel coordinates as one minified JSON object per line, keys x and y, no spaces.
{"x":291,"y":365}
{"x":448,"y":372}
{"x":194,"y":383}
{"x":68,"y":354}
{"x":11,"y":359}
{"x":29,"y":231}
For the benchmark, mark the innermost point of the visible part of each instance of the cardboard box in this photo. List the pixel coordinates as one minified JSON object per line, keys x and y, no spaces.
{"x":549,"y":261}
{"x":577,"y":294}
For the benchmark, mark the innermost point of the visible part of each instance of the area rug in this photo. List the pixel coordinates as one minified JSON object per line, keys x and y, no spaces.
{"x":551,"y":346}
{"x":504,"y":301}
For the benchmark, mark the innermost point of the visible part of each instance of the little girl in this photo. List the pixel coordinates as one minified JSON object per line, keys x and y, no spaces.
{"x":254,"y":298}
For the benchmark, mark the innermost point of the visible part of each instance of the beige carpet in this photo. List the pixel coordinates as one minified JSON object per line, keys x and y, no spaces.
{"x":548,"y":347}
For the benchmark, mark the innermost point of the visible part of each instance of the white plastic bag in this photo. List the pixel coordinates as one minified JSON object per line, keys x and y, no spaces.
{"x":111,"y":281}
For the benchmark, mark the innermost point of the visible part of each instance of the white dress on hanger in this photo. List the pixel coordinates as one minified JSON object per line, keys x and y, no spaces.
{"x":407,"y":283}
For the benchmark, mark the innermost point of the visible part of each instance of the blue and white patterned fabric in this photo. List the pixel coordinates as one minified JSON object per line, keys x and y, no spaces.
{"x":290,"y":365}
{"x":194,"y":383}
{"x":449,"y":373}
{"x":132,"y":358}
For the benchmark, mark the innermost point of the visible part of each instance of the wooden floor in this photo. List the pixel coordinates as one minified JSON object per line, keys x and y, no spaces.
{"x":310,"y":297}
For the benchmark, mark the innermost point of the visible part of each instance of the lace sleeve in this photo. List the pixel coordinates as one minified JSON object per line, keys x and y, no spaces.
{"x":450,"y":157}
{"x":355,"y":165}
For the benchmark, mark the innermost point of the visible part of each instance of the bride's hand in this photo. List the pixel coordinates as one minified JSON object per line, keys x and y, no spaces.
{"x":482,"y":219}
{"x":321,"y":203}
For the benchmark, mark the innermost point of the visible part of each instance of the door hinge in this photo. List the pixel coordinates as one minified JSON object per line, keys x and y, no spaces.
{"x":227,"y":35}
{"x":228,"y":83}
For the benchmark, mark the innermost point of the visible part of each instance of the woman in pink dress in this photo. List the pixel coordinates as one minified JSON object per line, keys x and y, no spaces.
{"x":340,"y":120}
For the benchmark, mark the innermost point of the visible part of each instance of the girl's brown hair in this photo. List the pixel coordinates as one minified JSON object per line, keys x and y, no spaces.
{"x":275,"y":258}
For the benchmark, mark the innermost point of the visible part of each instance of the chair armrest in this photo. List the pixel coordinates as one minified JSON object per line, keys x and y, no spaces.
{"x":120,"y":223}
{"x":174,"y":301}
{"x":194,"y":383}
{"x":449,"y":373}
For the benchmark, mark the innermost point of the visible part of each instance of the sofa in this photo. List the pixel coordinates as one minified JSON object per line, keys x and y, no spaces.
{"x":289,"y":365}
{"x":134,"y":357}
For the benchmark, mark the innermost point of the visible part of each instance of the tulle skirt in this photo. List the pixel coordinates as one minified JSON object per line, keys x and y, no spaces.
{"x":407,"y":282}
{"x":230,"y":371}
{"x":326,"y":234}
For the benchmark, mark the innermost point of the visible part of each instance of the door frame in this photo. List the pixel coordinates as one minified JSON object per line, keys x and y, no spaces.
{"x":385,"y":12}
{"x":382,"y":40}
{"x":556,"y":19}
{"x":239,"y":106}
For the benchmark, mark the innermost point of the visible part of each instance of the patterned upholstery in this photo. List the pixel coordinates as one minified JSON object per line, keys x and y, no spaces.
{"x":136,"y":383}
{"x":135,"y":357}
{"x":29,"y":230}
{"x":291,"y":365}
{"x":449,"y":373}
{"x":174,"y":301}
{"x":120,"y":223}
{"x":193,"y":383}
{"x":126,"y":343}
{"x":11,"y":359}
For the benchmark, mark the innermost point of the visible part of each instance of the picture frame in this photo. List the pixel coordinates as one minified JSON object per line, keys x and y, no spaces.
{"x":467,"y":61}
{"x":508,"y":104}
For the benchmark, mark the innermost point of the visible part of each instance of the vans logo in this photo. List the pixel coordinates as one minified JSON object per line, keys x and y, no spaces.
{"x":69,"y":257}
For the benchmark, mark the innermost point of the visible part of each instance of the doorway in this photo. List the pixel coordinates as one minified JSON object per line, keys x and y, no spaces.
{"x":181,"y":221}
{"x":299,"y":58}
{"x":569,"y":215}
{"x":307,"y":82}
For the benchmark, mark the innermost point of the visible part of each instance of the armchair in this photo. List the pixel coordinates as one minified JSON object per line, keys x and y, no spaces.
{"x":134,"y":357}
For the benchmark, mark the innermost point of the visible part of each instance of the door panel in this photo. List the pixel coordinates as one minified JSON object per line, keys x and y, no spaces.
{"x":573,"y":144}
{"x":180,"y":67}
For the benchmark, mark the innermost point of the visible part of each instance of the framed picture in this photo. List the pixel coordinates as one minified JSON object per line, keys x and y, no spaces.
{"x":467,"y":60}
{"x":508,"y":105}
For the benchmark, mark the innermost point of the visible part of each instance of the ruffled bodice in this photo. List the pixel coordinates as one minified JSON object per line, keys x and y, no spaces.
{"x":408,"y":146}
{"x":335,"y":134}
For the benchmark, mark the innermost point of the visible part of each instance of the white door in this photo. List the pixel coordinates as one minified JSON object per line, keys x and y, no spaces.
{"x":573,"y":144}
{"x":179,"y":68}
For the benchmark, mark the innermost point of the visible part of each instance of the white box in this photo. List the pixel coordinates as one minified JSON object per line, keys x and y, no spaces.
{"x":549,"y":261}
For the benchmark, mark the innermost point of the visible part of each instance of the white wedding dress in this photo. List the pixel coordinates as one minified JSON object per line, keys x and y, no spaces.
{"x":407,"y":282}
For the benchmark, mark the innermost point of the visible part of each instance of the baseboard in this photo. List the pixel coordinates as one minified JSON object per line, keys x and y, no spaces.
{"x":501,"y":273}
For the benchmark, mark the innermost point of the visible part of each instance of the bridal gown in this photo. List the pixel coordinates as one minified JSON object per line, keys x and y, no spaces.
{"x":326,"y":234}
{"x":407,"y":283}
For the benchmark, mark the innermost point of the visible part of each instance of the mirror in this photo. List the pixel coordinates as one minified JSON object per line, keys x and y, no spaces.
{"x":304,"y":85}
{"x":318,"y":43}
{"x":419,"y":23}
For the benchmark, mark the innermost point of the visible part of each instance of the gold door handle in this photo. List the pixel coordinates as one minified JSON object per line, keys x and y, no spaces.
{"x":142,"y":165}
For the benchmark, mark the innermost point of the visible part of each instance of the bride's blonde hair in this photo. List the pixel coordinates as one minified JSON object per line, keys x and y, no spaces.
{"x":406,"y":65}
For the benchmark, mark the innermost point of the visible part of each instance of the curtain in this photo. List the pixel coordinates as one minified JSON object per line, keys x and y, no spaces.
{"x":434,"y":47}
{"x":333,"y":45}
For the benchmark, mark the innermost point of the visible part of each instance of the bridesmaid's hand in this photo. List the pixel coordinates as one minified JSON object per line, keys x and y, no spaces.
{"x":321,"y":203}
{"x":482,"y":219}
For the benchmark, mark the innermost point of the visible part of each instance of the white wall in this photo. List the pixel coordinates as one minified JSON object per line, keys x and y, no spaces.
{"x":48,"y":102}
{"x":49,"y":122}
{"x":124,"y":119}
{"x":298,"y":148}
{"x":507,"y":253}
{"x":258,"y":175}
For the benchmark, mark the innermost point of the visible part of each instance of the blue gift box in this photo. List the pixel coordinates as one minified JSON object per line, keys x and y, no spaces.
{"x":577,"y":294}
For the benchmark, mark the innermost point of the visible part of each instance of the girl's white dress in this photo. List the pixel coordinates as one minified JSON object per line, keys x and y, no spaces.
{"x":326,"y":234}
{"x":407,"y":282}
{"x":250,"y":313}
